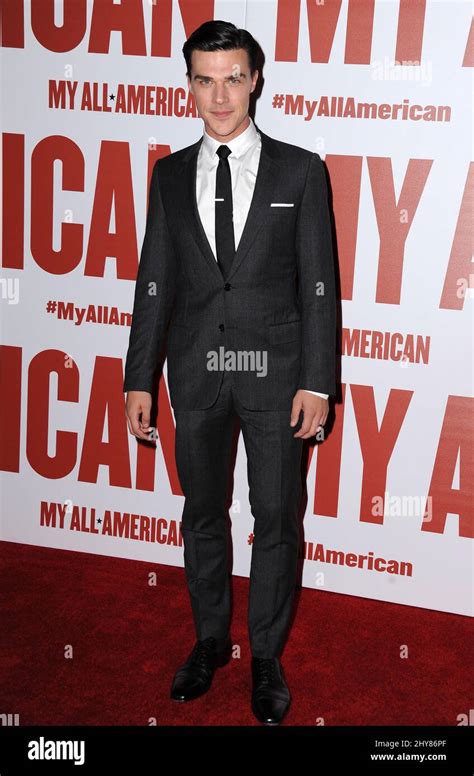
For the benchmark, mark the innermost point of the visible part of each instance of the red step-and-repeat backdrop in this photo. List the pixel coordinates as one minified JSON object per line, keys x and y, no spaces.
{"x":93,"y":91}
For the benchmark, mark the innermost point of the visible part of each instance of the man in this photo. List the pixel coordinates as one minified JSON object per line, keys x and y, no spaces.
{"x":236,"y":262}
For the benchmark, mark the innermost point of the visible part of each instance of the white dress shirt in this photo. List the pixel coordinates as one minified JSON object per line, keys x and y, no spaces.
{"x":243,"y":161}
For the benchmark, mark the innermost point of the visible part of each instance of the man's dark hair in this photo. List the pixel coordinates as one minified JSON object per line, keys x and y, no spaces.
{"x":221,"y":36}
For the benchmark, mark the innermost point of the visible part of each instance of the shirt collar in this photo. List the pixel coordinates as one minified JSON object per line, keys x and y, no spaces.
{"x":238,"y":146}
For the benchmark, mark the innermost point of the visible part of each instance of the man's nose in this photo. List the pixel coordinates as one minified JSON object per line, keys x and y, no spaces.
{"x":220,"y":94}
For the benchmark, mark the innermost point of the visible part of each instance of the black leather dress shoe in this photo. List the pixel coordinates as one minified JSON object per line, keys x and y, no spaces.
{"x":270,"y":694}
{"x":194,"y":677}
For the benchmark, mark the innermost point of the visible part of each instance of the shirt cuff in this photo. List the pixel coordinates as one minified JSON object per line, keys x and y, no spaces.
{"x":316,"y":393}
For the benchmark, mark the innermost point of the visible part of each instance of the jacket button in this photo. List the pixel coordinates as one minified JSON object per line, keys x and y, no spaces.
{"x":221,"y":326}
{"x":227,"y":287}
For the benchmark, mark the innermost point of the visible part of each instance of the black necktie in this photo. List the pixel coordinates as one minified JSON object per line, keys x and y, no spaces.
{"x":224,"y":230}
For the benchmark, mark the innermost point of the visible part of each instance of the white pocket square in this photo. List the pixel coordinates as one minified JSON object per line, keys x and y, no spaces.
{"x":282,"y":204}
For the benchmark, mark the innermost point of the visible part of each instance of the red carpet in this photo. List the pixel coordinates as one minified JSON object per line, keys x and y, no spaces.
{"x":342,"y":659}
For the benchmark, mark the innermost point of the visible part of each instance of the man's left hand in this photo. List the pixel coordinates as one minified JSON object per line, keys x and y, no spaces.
{"x":315,"y":411}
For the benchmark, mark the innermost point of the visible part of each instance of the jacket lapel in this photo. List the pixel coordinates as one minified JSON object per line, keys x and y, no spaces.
{"x":261,"y":199}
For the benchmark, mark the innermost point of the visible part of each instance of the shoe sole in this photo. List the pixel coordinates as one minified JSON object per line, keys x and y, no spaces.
{"x":190,"y":697}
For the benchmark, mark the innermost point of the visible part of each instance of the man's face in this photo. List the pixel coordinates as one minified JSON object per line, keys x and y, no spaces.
{"x":221,"y":84}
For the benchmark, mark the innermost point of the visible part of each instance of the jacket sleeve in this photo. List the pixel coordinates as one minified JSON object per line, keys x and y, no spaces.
{"x":155,"y":290}
{"x":316,"y":284}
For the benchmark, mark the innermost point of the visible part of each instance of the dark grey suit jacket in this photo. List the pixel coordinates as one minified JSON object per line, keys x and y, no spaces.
{"x":279,"y":297}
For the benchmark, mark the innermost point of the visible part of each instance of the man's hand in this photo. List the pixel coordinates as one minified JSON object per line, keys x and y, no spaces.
{"x":139,"y":402}
{"x":315,"y":412}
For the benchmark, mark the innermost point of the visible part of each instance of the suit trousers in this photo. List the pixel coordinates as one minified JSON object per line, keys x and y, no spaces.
{"x":203,"y":456}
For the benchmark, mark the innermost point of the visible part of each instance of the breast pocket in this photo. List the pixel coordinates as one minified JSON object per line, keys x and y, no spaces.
{"x":281,"y":223}
{"x":281,"y":210}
